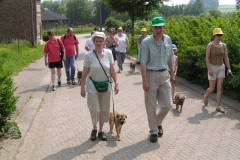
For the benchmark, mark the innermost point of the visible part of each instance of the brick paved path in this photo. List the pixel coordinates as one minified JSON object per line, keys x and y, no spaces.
{"x":62,"y":127}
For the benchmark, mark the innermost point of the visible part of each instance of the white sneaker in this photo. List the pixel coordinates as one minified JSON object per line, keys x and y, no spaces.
{"x":220,"y":109}
{"x":53,"y":88}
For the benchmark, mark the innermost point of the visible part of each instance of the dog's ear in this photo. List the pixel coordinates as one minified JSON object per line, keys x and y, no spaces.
{"x":125,"y":116}
{"x":117,"y":115}
{"x":183,"y":97}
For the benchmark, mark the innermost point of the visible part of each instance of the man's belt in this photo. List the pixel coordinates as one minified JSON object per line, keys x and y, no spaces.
{"x":160,"y":70}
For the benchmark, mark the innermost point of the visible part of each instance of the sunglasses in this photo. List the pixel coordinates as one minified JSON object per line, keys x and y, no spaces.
{"x":158,"y":27}
{"x":219,"y":35}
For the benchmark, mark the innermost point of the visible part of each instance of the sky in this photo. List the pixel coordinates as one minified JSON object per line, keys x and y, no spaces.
{"x":221,"y":2}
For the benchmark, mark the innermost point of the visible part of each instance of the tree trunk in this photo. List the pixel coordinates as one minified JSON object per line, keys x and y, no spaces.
{"x":132,"y":29}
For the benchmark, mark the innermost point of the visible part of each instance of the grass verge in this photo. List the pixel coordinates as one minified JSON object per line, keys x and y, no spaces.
{"x":18,"y":55}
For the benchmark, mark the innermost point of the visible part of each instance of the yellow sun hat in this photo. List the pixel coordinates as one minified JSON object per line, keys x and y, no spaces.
{"x":144,"y":30}
{"x":217,"y":31}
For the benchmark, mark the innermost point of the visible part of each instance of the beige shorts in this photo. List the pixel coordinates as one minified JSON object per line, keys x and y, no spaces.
{"x":218,"y":72}
{"x":99,"y":106}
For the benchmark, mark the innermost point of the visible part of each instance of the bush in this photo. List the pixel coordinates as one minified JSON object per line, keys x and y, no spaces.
{"x":192,"y":41}
{"x":7,"y":99}
{"x":111,"y":22}
{"x":11,"y":130}
{"x":192,"y":34}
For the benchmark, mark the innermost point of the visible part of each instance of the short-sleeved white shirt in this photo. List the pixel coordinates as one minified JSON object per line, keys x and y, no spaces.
{"x":95,"y":69}
{"x":122,"y":43}
{"x":89,"y":43}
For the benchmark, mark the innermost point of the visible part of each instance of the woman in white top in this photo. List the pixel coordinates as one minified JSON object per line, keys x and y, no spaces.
{"x":123,"y":47}
{"x":98,"y":102}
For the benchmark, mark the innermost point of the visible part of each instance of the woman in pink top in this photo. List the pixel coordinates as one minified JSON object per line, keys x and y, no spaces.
{"x":52,"y":57}
{"x":215,"y":53}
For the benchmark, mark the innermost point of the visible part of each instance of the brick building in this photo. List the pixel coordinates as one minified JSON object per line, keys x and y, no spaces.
{"x":20,"y":20}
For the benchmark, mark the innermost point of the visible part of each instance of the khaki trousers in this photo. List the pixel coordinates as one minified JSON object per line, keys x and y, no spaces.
{"x":99,"y":106}
{"x":159,"y":94}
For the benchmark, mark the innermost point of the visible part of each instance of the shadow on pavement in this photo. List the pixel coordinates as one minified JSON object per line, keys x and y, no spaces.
{"x":133,"y":151}
{"x":72,"y":152}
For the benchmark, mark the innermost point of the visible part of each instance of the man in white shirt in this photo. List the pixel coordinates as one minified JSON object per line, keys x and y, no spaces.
{"x":89,"y":43}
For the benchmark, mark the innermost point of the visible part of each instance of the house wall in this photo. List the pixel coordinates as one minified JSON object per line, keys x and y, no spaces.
{"x":17,"y":20}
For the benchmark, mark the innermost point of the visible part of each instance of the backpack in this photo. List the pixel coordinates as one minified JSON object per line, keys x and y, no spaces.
{"x":66,"y":36}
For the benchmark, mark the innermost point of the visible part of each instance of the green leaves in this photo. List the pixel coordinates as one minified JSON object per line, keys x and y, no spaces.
{"x":7,"y":99}
{"x":192,"y":34}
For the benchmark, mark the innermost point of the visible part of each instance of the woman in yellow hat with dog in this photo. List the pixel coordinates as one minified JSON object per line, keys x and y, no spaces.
{"x":215,"y":53}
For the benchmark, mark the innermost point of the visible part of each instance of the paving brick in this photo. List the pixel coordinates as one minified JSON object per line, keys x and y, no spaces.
{"x":62,"y":126}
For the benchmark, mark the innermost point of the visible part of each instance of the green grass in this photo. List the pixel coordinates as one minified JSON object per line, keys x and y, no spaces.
{"x":133,"y":52}
{"x":19,"y":54}
{"x":62,"y":31}
{"x":227,"y":8}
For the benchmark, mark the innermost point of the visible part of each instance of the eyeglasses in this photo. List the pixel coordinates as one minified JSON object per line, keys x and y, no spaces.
{"x":219,"y":35}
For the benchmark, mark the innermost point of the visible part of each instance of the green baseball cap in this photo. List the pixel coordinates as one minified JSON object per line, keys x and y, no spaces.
{"x":158,"y":21}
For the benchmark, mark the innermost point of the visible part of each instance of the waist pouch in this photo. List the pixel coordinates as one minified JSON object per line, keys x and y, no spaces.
{"x":101,"y":86}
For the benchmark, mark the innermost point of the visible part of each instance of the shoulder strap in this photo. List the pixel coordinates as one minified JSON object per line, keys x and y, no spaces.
{"x":101,"y":65}
{"x":59,"y":44}
{"x":75,"y":37}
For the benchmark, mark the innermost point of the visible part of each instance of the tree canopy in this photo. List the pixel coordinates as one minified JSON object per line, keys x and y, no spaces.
{"x":134,"y":8}
{"x":78,"y":12}
{"x":208,"y":4}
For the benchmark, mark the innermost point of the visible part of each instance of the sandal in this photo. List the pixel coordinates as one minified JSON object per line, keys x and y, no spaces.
{"x":93,"y":135}
{"x":73,"y":82}
{"x":102,"y":136}
{"x":68,"y":82}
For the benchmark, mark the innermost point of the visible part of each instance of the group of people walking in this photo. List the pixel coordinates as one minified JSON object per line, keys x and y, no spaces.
{"x":158,"y":65}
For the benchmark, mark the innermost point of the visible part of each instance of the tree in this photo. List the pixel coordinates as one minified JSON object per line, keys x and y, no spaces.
{"x":53,"y":6}
{"x":62,"y":10}
{"x":237,"y":4}
{"x":105,"y":12}
{"x":134,"y":8}
{"x":208,"y":4}
{"x":195,"y":8}
{"x":215,"y":13}
{"x":78,"y":12}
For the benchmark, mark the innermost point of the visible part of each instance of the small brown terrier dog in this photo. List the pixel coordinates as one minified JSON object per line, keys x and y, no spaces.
{"x":120,"y":119}
{"x":132,"y":67}
{"x":79,"y":76}
{"x":179,"y":100}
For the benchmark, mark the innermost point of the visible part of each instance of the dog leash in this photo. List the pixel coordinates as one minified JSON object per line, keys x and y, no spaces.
{"x":113,"y":103}
{"x":230,"y":74}
{"x":76,"y":65}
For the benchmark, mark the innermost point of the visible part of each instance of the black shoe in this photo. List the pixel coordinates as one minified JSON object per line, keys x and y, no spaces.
{"x":102,"y":136}
{"x":160,"y":131}
{"x":153,"y":138}
{"x":59,"y":83}
{"x":94,"y":135}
